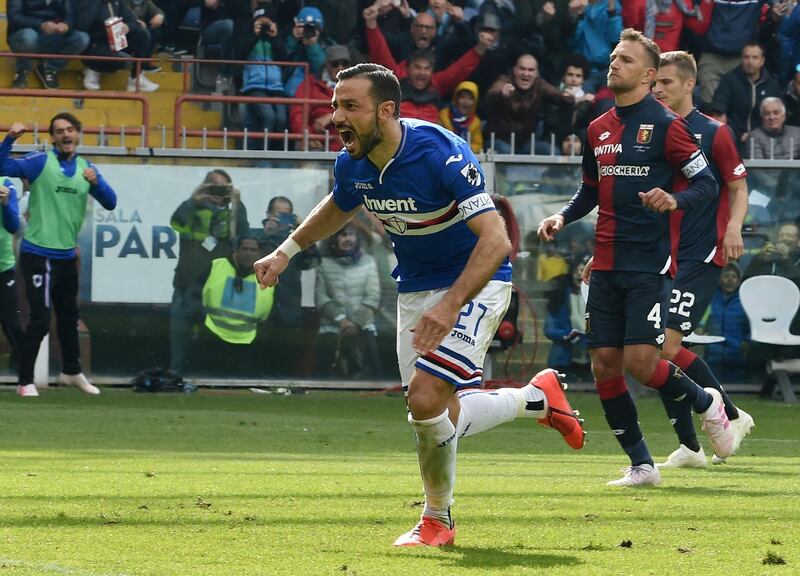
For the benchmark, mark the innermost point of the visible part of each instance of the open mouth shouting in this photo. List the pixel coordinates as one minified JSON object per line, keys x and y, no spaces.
{"x":348,"y":138}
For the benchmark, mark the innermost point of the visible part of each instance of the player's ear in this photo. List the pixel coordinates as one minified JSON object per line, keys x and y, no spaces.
{"x":386,"y":110}
{"x":650,"y":76}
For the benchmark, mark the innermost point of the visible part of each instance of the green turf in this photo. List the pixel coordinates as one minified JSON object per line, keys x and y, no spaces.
{"x":320,"y":484}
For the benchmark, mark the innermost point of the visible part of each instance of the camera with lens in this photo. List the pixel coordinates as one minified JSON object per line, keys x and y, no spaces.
{"x":309,"y":30}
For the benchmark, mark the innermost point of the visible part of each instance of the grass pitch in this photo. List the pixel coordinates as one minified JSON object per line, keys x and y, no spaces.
{"x":320,"y":484}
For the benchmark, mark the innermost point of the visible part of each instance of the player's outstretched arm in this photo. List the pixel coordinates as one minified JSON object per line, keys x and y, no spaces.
{"x":325,"y":219}
{"x":492,"y":248}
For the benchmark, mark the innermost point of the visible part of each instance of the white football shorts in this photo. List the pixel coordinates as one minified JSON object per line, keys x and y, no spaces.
{"x":459,"y":358}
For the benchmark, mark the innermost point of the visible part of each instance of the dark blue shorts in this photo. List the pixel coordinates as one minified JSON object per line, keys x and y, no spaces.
{"x":626,"y":308}
{"x":692,"y":292}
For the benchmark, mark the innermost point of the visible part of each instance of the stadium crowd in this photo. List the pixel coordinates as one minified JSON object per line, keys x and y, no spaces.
{"x":504,"y":74}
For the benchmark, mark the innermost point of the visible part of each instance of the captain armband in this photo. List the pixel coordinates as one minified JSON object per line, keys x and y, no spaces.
{"x":290,"y":248}
{"x":475,"y":205}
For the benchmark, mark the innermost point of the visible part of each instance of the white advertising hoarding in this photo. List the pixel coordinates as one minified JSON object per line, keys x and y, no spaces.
{"x":134,"y":250}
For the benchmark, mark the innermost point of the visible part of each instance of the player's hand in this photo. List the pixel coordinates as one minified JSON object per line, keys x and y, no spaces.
{"x":658,"y":200}
{"x":586,"y":273}
{"x":550,"y":226}
{"x":732,"y":244}
{"x":90,"y":174}
{"x":270,"y":267}
{"x":433,"y":326}
{"x":3,"y":195}
{"x":17,"y":129}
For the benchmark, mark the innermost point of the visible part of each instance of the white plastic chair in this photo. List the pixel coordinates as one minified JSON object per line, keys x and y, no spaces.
{"x":771,"y":303}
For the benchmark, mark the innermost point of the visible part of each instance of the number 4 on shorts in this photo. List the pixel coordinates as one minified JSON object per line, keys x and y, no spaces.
{"x":655,"y":316}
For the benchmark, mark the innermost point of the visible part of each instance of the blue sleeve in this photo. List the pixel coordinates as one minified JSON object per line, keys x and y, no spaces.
{"x":554,"y":327}
{"x":460,"y":171}
{"x":345,"y":195}
{"x":28,"y":167}
{"x":10,"y":210}
{"x":103,"y":192}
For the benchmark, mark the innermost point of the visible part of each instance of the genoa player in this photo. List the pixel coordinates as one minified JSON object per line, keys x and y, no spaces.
{"x":640,"y":164}
{"x":453,"y":276}
{"x":709,"y":239}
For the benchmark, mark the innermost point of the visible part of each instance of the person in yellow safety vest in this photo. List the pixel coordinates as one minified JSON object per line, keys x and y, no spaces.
{"x":233,"y":304}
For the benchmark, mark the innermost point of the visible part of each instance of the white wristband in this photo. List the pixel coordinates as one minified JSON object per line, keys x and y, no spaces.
{"x":290,"y":248}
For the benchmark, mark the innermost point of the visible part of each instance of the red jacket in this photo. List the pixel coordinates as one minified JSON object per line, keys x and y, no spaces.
{"x":429,"y":111}
{"x":444,"y":81}
{"x":319,"y":90}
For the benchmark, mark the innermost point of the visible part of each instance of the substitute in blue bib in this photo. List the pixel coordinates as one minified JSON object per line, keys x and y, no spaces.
{"x":428,"y":190}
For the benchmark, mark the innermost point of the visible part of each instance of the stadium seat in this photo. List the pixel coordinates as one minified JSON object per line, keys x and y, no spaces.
{"x":771,"y":303}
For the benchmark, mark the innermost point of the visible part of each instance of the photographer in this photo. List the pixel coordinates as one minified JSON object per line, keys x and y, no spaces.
{"x":263,"y":45}
{"x":779,"y":258}
{"x":208,"y":224}
{"x":305,"y":43}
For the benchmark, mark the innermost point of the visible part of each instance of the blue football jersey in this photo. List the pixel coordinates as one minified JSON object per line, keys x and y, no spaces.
{"x":424,"y":197}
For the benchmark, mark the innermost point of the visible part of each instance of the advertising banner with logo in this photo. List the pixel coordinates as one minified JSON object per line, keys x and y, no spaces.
{"x":133,"y":248}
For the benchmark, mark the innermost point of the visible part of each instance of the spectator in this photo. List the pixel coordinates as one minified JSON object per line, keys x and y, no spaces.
{"x":60,"y":184}
{"x":337,"y":57}
{"x":734,"y":26}
{"x":420,"y":98}
{"x":285,"y":334}
{"x":306,"y":43}
{"x":460,"y":117}
{"x":217,"y":19}
{"x":563,"y":118}
{"x":279,"y":221}
{"x":442,"y":81}
{"x":741,"y":91}
{"x":208,"y":222}
{"x":515,"y":104}
{"x":9,"y":311}
{"x":340,"y":16}
{"x":598,"y":30}
{"x":564,"y":323}
{"x":551,"y":263}
{"x":151,"y":20}
{"x":779,"y":258}
{"x":263,"y":45}
{"x":422,"y":35}
{"x":235,"y":306}
{"x":791,"y":99}
{"x":773,"y":139}
{"x":789,"y":38}
{"x":91,"y":17}
{"x":726,"y":317}
{"x":43,"y":26}
{"x":347,"y":295}
{"x":454,"y":34}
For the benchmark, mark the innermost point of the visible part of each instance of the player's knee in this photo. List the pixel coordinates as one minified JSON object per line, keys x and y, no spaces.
{"x":38,"y":326}
{"x":672,"y":343}
{"x":605,"y":365}
{"x":641,"y":366}
{"x":428,"y":397}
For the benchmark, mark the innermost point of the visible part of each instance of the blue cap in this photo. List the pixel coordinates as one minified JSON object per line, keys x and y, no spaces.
{"x":310,"y":15}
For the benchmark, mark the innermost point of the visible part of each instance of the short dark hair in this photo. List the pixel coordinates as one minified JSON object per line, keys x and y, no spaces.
{"x":385,"y":87}
{"x":752,"y":44}
{"x":423,"y":54}
{"x":577,"y":61}
{"x":69,"y":118}
{"x":218,"y":172}
{"x":650,"y":47}
{"x":274,"y":199}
